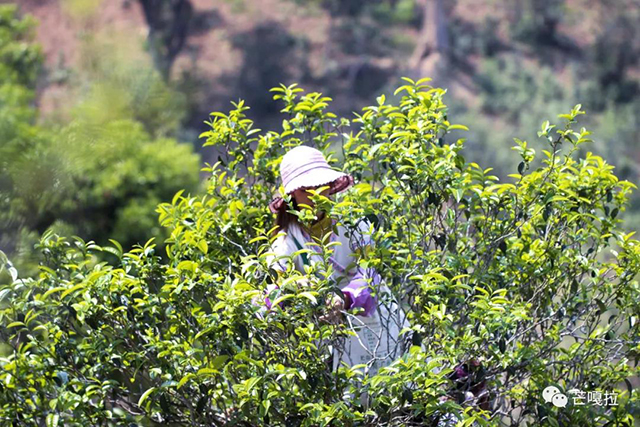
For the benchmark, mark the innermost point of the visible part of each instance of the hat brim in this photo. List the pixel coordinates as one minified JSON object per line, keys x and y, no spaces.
{"x":319,"y":177}
{"x":340,"y":182}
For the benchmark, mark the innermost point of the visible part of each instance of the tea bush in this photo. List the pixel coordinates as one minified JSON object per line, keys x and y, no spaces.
{"x":520,"y":284}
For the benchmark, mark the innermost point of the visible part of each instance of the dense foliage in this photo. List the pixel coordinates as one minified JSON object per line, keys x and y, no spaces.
{"x":530,"y":282}
{"x":535,"y":59}
{"x":100,"y":175}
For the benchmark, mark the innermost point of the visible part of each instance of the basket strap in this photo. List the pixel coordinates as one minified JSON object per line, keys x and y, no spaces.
{"x":305,"y":259}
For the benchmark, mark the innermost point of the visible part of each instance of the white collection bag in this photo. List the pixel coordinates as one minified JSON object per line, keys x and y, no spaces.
{"x":377,"y":342}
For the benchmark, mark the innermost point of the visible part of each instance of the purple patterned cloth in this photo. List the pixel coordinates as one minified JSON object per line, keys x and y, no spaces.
{"x":359,"y":291}
{"x":269,"y":289}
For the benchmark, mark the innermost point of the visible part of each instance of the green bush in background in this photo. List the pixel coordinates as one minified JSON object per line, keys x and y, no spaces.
{"x":532,"y":277}
{"x":101,"y":174}
{"x":519,"y":96}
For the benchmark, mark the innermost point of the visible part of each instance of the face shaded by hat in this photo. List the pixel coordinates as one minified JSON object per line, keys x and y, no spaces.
{"x":305,"y":167}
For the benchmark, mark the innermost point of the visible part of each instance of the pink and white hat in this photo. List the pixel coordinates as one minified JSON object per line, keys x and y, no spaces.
{"x":304,"y":167}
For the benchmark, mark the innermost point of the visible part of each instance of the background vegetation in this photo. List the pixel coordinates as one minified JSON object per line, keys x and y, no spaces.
{"x":101,"y":105}
{"x":507,"y":66}
{"x":527,"y":283}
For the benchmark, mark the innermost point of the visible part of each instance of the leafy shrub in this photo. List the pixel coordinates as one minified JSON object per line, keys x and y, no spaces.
{"x":615,"y":53}
{"x":532,"y":279}
{"x":20,"y":59}
{"x":118,"y":166}
{"x":511,"y":89}
{"x":538,"y":21}
{"x":119,"y":82}
{"x":518,"y":95}
{"x":91,"y":176}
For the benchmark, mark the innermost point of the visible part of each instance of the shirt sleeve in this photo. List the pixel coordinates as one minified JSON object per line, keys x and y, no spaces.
{"x":277,"y":259}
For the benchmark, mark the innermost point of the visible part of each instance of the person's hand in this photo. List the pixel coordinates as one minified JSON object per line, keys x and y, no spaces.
{"x":334,"y":311}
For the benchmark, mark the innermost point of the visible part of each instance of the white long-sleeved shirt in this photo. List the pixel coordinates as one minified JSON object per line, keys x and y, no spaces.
{"x":359,"y":281}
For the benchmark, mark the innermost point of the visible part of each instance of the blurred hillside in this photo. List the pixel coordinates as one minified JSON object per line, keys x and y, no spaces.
{"x":507,"y":65}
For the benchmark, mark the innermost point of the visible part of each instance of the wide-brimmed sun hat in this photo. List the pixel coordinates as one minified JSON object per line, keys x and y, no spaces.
{"x":305,"y":167}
